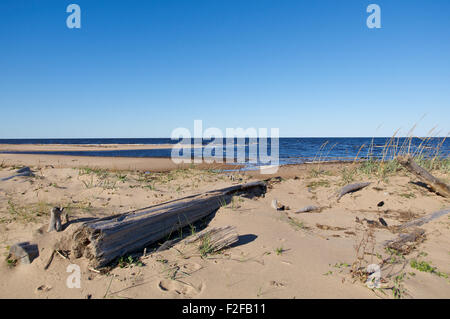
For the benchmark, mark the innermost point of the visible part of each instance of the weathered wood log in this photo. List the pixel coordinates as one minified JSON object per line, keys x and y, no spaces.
{"x":434,"y":183}
{"x":308,"y":209}
{"x":424,"y":220}
{"x":214,"y":239}
{"x":350,"y":188}
{"x":103,"y":240}
{"x":55,"y":219}
{"x":24,"y":252}
{"x":403,"y":239}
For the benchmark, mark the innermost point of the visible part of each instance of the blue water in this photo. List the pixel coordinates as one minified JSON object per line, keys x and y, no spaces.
{"x":291,"y":150}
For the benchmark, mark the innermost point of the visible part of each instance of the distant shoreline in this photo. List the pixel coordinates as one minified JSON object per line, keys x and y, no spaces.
{"x":159,"y":164}
{"x":81,"y":147}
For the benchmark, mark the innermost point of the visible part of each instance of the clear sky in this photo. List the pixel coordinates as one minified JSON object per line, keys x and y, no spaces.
{"x":143,"y":68}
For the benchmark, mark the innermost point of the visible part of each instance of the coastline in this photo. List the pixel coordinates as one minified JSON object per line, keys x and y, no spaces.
{"x":119,"y":163}
{"x":82,"y":147}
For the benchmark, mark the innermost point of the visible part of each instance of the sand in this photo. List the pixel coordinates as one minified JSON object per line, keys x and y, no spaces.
{"x":280,"y":254}
{"x":82,"y":147}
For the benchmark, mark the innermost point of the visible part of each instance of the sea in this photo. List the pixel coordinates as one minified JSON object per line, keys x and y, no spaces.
{"x":288,"y":150}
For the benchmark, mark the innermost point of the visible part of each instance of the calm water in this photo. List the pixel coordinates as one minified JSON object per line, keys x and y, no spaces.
{"x":291,"y":150}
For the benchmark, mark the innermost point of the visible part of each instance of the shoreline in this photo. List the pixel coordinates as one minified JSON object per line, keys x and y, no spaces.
{"x":158,"y":164}
{"x":81,"y":147}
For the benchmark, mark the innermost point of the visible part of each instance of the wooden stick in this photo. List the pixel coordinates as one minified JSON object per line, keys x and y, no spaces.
{"x":49,"y":261}
{"x":308,"y":209}
{"x":435,"y":184}
{"x":351,"y":188}
{"x":55,"y":219}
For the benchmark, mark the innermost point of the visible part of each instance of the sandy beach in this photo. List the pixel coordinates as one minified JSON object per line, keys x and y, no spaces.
{"x":280,"y":253}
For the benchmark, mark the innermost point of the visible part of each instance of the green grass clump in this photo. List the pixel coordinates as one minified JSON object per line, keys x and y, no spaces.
{"x":347,"y":175}
{"x":426,"y":267}
{"x":129,"y":261}
{"x":297,"y":224}
{"x":205,"y":247}
{"x":319,"y":183}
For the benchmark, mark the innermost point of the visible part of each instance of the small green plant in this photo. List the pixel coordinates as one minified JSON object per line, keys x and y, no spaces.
{"x":422,"y":266}
{"x":341,"y":265}
{"x":193,"y":230}
{"x":150,"y":186}
{"x":319,"y":183}
{"x":122,"y":178}
{"x":407,"y":195}
{"x":90,"y":183}
{"x":297,"y":224}
{"x":426,"y":267}
{"x":318,"y":172}
{"x":222,"y":202}
{"x":279,"y":251}
{"x":398,"y":289}
{"x":347,"y":176}
{"x":11,"y":263}
{"x":129,"y":261}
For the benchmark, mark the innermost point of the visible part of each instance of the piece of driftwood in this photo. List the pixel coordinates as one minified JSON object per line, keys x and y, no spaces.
{"x":103,"y":240}
{"x":350,"y":188}
{"x":434,"y":183}
{"x":215,"y":239}
{"x":424,"y":220}
{"x":50,"y":259}
{"x":24,"y":252}
{"x":307,"y":209}
{"x":403,"y":239}
{"x":55,"y":219}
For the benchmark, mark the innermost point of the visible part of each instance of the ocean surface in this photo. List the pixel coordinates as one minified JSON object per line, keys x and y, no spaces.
{"x":290,"y":150}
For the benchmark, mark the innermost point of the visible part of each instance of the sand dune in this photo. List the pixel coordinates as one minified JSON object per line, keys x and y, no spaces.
{"x":280,"y":254}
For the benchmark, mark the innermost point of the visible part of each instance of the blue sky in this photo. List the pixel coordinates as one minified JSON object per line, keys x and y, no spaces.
{"x":143,"y":68}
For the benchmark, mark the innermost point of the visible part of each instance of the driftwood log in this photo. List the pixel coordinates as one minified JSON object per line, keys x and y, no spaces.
{"x":435,"y":184}
{"x":416,"y":234}
{"x":103,"y":240}
{"x":55,"y":219}
{"x":401,"y":243}
{"x":351,"y":188}
{"x":308,"y":209}
{"x":215,"y":239}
